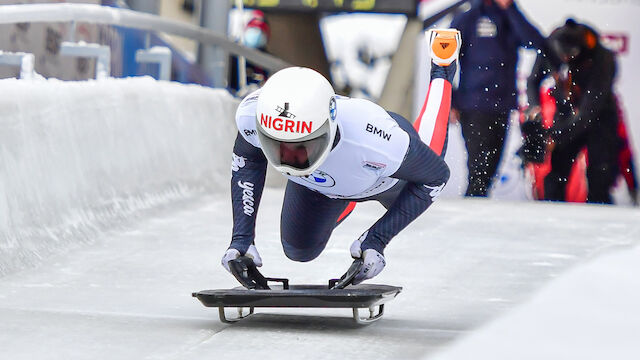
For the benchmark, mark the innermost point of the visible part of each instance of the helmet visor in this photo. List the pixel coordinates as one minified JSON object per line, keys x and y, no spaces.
{"x":299,"y":155}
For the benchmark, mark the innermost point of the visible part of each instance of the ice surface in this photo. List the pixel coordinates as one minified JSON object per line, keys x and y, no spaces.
{"x":462,"y":264}
{"x":589,"y":313}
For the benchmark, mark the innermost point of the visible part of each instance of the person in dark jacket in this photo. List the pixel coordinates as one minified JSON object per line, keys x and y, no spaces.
{"x":492,"y":31}
{"x":586,"y":110}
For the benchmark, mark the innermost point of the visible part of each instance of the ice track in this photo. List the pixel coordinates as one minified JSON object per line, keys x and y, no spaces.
{"x":127,"y":296}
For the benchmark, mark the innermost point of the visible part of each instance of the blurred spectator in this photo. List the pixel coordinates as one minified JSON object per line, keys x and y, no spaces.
{"x":586,"y":113}
{"x":188,"y":6}
{"x":255,"y":35}
{"x":492,"y":32}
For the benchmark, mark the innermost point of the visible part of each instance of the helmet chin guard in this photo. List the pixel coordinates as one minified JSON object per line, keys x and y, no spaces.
{"x":296,"y":120}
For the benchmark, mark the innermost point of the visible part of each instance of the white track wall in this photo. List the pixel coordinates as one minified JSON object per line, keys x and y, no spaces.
{"x":77,"y":157}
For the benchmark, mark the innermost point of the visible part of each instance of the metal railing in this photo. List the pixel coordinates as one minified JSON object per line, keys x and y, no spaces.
{"x":96,"y":14}
{"x":24,"y":61}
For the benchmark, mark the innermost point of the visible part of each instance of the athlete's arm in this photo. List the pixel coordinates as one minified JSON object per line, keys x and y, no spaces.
{"x":426,"y":174}
{"x":248,"y":171}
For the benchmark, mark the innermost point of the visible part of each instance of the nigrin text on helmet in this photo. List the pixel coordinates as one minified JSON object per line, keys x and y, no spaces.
{"x":286,"y":125}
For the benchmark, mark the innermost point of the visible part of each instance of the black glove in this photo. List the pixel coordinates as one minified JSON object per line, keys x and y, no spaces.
{"x":534,"y":140}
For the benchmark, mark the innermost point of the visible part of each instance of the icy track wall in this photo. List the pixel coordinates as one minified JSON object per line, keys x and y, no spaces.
{"x":78,"y":157}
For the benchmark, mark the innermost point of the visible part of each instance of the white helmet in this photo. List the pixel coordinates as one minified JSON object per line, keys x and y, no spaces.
{"x":296,"y":120}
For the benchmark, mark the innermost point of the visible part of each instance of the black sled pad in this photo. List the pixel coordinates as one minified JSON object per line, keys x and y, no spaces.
{"x":256,"y":293}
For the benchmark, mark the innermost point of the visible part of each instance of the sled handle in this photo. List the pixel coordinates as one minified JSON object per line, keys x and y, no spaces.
{"x":347,"y":279}
{"x":285,"y":282}
{"x":245,"y":271}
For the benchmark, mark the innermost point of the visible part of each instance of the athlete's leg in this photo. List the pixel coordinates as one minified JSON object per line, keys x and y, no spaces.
{"x":433,"y":121}
{"x":431,"y":126}
{"x":307,"y":221}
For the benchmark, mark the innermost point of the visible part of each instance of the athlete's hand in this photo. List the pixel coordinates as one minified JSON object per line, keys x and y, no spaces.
{"x":232,"y":254}
{"x":373,"y":261}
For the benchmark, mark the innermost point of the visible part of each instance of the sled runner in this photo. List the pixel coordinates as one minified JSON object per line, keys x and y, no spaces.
{"x":258,"y":293}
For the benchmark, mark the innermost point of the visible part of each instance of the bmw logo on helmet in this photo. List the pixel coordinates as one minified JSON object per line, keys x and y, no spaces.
{"x":332,"y":108}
